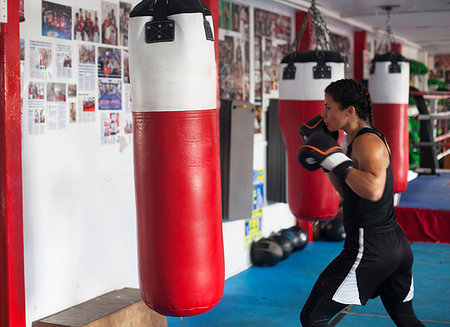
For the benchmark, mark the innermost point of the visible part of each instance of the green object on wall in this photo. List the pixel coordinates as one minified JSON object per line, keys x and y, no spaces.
{"x":417,"y":67}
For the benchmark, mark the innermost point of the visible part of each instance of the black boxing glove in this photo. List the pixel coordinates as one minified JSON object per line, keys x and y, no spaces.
{"x":315,"y":125}
{"x":322,"y":150}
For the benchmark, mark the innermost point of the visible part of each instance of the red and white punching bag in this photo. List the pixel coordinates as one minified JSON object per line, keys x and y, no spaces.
{"x":389,"y":91}
{"x":304,"y":77}
{"x":176,"y":156}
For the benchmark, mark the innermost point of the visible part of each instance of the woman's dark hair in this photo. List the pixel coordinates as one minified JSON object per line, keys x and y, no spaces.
{"x":348,"y":92}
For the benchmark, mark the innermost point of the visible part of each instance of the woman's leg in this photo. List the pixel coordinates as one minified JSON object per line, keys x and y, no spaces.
{"x":318,"y":310}
{"x":402,"y":313}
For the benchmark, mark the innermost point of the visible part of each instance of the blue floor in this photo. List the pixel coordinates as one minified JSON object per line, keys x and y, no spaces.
{"x":274,"y":296}
{"x":428,"y":192}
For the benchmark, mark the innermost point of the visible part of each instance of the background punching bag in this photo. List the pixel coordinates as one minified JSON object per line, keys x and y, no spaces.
{"x":176,"y":156}
{"x":305,"y":75}
{"x":389,"y":91}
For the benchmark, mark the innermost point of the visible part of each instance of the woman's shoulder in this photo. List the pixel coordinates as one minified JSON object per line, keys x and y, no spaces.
{"x":368,"y":140}
{"x":370,"y":145}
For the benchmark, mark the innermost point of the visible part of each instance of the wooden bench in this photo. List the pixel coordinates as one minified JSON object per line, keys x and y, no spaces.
{"x":121,"y":308}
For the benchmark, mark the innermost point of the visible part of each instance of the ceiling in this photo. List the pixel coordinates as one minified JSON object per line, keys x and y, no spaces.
{"x":425,"y":23}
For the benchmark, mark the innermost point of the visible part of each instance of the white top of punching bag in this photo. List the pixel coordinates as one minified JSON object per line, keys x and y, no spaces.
{"x":173,"y":76}
{"x":304,"y":86}
{"x":386,"y":87}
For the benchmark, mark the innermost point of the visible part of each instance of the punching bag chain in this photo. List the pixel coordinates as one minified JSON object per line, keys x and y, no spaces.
{"x":318,"y":35}
{"x":386,"y":43}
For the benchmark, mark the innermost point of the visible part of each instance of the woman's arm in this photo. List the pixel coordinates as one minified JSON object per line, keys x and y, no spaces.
{"x":372,"y":158}
{"x":336,"y":184}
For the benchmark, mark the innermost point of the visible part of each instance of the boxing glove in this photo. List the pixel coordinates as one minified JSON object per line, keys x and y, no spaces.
{"x":315,"y":125}
{"x":322,"y":150}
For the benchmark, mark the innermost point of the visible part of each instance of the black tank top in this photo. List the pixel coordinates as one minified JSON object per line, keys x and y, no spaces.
{"x":360,"y":212}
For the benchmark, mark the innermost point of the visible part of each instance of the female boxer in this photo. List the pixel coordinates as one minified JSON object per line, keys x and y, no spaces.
{"x":376,"y":259}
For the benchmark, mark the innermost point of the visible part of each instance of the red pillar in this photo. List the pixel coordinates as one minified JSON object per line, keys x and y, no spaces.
{"x":12,"y":290}
{"x":396,"y":47}
{"x":303,"y":45}
{"x":360,"y":39}
{"x":299,"y":18}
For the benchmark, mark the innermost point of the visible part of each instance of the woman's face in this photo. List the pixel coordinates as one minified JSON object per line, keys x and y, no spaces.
{"x":332,"y":114}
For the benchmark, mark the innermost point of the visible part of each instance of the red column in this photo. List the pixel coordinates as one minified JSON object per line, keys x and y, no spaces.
{"x":12,"y":293}
{"x":299,"y":18}
{"x":360,"y":39}
{"x":396,"y":47}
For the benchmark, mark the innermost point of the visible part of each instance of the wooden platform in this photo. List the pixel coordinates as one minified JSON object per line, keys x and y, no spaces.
{"x":121,"y":308}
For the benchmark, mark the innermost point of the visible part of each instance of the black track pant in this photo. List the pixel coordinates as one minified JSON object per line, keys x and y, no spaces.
{"x":319,"y":310}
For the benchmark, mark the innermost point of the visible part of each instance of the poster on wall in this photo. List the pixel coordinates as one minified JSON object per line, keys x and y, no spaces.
{"x":272,"y":38}
{"x":258,"y":67}
{"x":273,"y":51}
{"x":109,"y":63}
{"x":344,"y":47}
{"x":127,"y":109}
{"x":226,"y":59}
{"x":125,"y":9}
{"x":86,"y":108}
{"x":110,"y":24}
{"x":72,"y":102}
{"x":272,"y":25}
{"x":40,"y":59}
{"x":71,"y":91}
{"x":109,"y":94}
{"x":86,"y":25}
{"x":56,"y":92}
{"x":72,"y":111}
{"x":253,"y":226}
{"x":56,"y":20}
{"x":36,"y":108}
{"x":86,"y":68}
{"x":234,"y":58}
{"x":127,"y":105}
{"x":225,"y":15}
{"x":56,"y":106}
{"x":63,"y":61}
{"x":442,"y":67}
{"x":126,"y":67}
{"x":110,"y":128}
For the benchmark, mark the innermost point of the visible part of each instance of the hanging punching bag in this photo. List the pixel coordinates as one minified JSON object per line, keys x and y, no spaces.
{"x":176,"y":156}
{"x":389,"y":91}
{"x":305,"y":75}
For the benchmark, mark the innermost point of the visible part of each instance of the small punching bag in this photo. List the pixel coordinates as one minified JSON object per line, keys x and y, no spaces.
{"x":389,"y":91}
{"x":176,"y":156}
{"x":305,"y":75}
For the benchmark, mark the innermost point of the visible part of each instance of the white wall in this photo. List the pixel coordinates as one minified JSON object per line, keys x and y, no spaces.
{"x":79,"y":209}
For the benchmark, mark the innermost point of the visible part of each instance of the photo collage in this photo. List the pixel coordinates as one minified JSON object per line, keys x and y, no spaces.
{"x":79,"y":71}
{"x":272,"y":37}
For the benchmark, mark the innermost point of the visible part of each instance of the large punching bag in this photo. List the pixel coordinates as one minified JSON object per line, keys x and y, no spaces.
{"x":176,"y":156}
{"x":389,"y":91}
{"x":305,"y":75}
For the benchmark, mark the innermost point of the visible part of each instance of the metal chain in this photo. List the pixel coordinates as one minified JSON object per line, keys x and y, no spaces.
{"x":319,"y":35}
{"x":386,"y":42}
{"x":300,"y":33}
